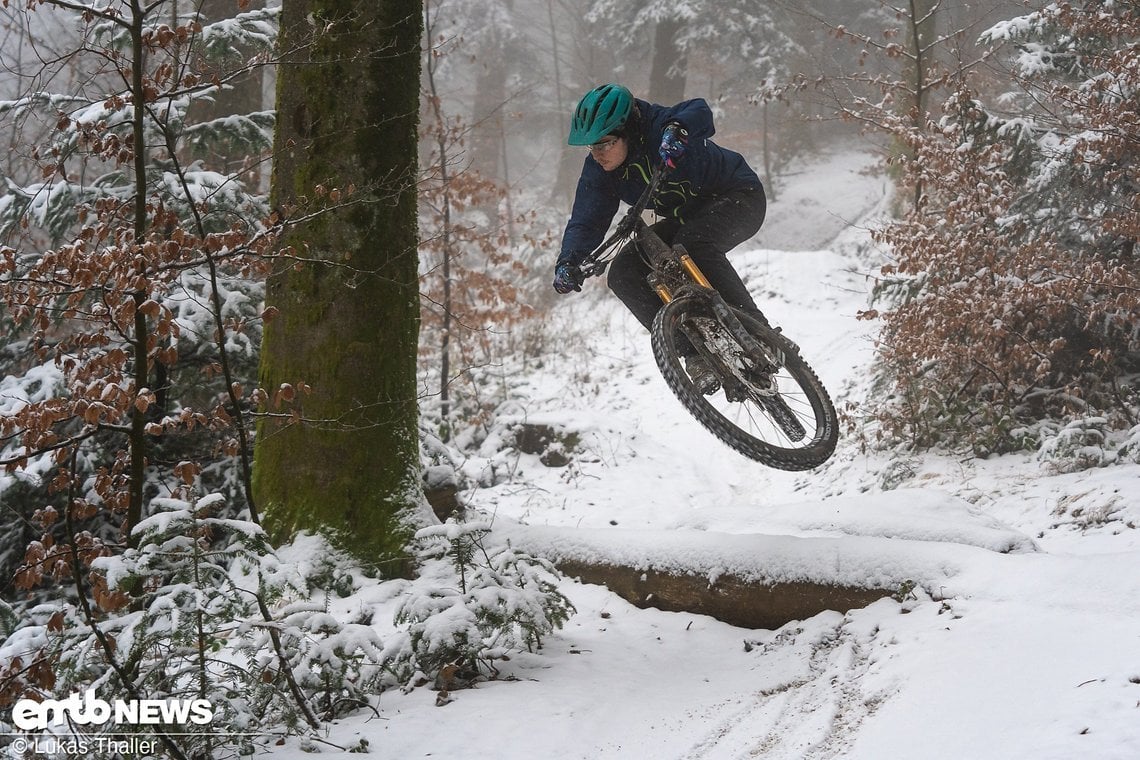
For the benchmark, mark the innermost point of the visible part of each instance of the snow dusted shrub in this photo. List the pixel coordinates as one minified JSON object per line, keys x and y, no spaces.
{"x":1019,"y":293}
{"x":442,"y":477}
{"x":337,"y":664}
{"x":1130,"y":449}
{"x":896,"y":473}
{"x":1079,"y":445}
{"x":200,"y":584}
{"x":45,"y":648}
{"x":168,"y":611}
{"x":474,"y":604}
{"x":9,"y":620}
{"x":1089,"y":442}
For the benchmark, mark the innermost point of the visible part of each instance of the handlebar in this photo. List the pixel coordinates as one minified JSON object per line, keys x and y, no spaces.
{"x":592,"y":265}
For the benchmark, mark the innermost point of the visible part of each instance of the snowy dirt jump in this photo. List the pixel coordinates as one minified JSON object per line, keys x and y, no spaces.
{"x":1012,"y":631}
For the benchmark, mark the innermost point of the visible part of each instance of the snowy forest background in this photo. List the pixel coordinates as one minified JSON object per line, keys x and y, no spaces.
{"x":1007,"y":312}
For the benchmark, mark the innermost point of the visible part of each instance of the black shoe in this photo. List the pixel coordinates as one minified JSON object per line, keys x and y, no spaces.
{"x":701,"y":375}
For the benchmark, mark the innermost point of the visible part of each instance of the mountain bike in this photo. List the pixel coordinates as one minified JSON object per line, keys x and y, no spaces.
{"x":771,"y":406}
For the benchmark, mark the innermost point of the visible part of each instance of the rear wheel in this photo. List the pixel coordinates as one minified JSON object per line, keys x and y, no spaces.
{"x":771,"y":407}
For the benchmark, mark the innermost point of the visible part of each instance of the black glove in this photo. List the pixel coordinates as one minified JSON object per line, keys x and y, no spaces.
{"x":567,"y":278}
{"x":674,"y":141}
{"x":568,"y":274}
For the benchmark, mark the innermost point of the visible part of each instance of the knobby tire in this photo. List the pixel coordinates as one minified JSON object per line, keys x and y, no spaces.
{"x":758,"y":426}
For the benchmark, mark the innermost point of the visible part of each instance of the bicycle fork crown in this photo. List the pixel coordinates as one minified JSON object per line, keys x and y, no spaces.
{"x":691,"y":269}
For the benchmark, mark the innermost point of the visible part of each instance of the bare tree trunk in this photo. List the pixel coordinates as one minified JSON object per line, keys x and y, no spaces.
{"x":668,"y":71}
{"x":487,"y":131}
{"x":769,"y":185}
{"x":441,"y":135}
{"x":923,"y":14}
{"x":139,"y":339}
{"x":567,"y":163}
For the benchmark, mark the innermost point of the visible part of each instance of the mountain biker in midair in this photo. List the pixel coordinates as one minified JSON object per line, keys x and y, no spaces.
{"x":711,"y":201}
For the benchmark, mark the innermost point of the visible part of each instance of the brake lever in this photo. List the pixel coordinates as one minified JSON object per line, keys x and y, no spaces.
{"x":594,"y":269}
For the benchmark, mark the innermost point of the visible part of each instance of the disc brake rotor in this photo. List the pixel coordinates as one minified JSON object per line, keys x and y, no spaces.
{"x":748,"y":377}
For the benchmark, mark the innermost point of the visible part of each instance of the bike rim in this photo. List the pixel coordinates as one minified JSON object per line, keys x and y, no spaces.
{"x":787,"y":424}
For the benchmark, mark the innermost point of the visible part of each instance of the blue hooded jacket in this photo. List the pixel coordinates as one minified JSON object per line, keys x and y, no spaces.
{"x":704,"y":172}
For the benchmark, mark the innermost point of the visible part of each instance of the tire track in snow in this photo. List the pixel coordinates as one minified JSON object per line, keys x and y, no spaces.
{"x":809,"y":715}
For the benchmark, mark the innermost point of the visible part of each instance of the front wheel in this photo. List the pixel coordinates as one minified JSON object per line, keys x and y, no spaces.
{"x":771,"y":407}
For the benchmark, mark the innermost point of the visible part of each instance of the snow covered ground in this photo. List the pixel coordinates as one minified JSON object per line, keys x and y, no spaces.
{"x":1021,"y":639}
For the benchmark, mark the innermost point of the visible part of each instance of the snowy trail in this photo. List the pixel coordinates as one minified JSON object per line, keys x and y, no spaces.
{"x":1022,"y":646}
{"x":871,"y":684}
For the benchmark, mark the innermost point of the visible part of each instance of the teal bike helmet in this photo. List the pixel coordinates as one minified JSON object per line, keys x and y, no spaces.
{"x":600,"y":112}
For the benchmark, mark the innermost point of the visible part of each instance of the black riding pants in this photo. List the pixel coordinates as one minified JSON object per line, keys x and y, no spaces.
{"x":707,"y":234}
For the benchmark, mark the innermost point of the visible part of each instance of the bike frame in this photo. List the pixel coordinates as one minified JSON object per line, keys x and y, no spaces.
{"x":672,"y":271}
{"x":753,"y":416}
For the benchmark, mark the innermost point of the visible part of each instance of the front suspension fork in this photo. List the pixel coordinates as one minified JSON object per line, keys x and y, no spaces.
{"x":691,"y":269}
{"x":721,"y":310}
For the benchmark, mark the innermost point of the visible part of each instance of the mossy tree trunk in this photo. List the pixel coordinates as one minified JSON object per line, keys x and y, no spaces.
{"x":347,"y":321}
